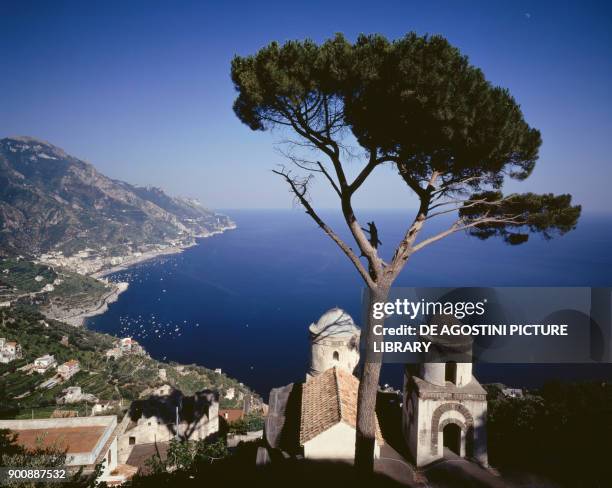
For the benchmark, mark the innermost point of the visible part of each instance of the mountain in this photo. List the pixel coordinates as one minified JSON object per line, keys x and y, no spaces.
{"x":50,"y":200}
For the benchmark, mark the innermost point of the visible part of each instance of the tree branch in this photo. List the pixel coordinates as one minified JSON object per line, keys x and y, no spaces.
{"x":456,"y":227}
{"x":405,"y":247}
{"x":365,"y":172}
{"x":299,"y":189}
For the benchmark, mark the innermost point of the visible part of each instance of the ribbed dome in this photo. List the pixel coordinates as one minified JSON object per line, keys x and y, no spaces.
{"x":335,"y":322}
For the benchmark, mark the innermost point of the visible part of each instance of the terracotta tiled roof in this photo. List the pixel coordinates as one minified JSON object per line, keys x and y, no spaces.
{"x":231,"y":414}
{"x":74,"y":439}
{"x":327,"y":399}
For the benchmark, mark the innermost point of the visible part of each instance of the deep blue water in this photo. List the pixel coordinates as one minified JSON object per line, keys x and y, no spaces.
{"x":242,"y":301}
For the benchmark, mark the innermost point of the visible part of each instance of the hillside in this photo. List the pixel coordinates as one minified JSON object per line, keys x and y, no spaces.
{"x":51,"y":201}
{"x":117,"y":380}
{"x":57,"y":292}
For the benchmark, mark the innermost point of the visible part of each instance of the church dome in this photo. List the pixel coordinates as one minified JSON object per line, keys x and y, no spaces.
{"x":334,"y":323}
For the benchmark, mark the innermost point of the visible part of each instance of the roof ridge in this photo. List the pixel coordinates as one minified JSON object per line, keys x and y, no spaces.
{"x":338,"y":393}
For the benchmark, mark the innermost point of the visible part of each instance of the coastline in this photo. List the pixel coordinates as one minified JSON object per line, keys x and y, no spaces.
{"x":79,"y":318}
{"x":147,"y":256}
{"x":133,"y":261}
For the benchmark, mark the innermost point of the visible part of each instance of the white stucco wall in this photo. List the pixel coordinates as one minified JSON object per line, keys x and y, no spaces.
{"x":435,"y":373}
{"x":322,"y":355}
{"x":108,"y":467}
{"x":149,"y":430}
{"x":418,"y":435}
{"x":336,"y":443}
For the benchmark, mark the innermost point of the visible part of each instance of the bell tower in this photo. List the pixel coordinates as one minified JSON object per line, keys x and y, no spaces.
{"x":334,"y":342}
{"x":444,"y":410}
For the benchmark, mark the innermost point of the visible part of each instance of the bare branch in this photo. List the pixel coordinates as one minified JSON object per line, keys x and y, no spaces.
{"x":466,"y":203}
{"x":329,"y":178}
{"x":332,"y":149}
{"x":365,"y":172}
{"x":448,"y":185}
{"x":313,"y":166}
{"x":410,"y":181}
{"x":457,"y":226}
{"x":405,"y":248}
{"x":299,"y":189}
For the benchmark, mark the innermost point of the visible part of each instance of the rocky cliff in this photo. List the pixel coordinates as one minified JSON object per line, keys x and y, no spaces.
{"x":50,"y":200}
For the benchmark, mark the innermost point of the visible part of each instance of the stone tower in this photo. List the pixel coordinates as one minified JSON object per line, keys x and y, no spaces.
{"x":444,"y":408}
{"x":334,"y":342}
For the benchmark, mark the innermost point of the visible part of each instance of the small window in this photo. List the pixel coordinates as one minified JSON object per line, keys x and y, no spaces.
{"x":132,"y":441}
{"x":336,"y":356}
{"x":450,"y":372}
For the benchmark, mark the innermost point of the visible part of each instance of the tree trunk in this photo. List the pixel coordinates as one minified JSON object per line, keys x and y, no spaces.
{"x":368,"y":389}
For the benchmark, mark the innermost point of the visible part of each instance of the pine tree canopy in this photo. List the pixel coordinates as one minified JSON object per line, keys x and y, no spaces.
{"x":416,"y":103}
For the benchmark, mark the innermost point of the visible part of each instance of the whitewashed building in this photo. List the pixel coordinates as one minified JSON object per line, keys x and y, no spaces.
{"x":9,"y":351}
{"x":44,"y":363}
{"x":69,"y":369}
{"x":168,"y":414}
{"x":88,"y":441}
{"x":328,"y":419}
{"x":444,"y":408}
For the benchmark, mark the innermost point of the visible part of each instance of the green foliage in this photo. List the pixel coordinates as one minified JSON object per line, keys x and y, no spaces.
{"x":417,"y":98}
{"x":189,"y":455}
{"x":516,"y":215}
{"x":19,"y":274}
{"x":251,"y":422}
{"x":77,"y":291}
{"x":561,"y":432}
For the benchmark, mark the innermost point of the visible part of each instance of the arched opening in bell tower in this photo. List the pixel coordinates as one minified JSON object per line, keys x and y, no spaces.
{"x":452,"y":438}
{"x":336,"y":356}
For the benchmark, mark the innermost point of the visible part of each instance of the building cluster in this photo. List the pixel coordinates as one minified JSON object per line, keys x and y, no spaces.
{"x":86,"y":261}
{"x":46,"y":363}
{"x":9,"y":351}
{"x":126,"y":345}
{"x":441,"y":412}
{"x":89,"y":261}
{"x":443,"y":408}
{"x":123,"y":447}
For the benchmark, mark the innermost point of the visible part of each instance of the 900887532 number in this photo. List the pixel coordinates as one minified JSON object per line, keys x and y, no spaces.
{"x":32,"y":474}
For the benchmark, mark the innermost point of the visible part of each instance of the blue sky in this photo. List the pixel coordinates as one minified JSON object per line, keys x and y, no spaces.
{"x":142,"y":90}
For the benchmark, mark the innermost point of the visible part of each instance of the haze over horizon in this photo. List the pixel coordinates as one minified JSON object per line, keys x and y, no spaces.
{"x":143,"y":91}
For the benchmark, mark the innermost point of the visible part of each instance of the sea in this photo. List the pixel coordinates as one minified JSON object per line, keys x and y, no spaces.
{"x":242,"y":301}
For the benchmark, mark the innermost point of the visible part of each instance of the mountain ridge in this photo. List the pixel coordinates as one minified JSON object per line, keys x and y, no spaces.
{"x":52,"y":201}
